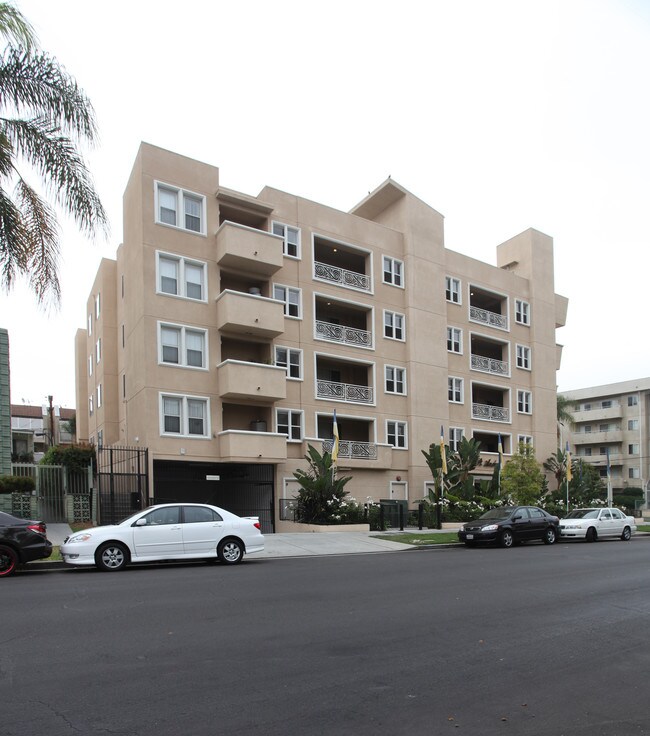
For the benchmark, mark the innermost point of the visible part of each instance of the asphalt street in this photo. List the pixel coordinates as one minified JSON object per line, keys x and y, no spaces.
{"x":532,"y":640}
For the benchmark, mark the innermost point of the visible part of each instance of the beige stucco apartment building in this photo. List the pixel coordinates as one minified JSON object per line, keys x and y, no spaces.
{"x":613,"y":419}
{"x":230,"y":327}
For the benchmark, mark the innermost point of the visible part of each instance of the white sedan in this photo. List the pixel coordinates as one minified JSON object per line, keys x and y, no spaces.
{"x":592,"y":524}
{"x":174,"y":531}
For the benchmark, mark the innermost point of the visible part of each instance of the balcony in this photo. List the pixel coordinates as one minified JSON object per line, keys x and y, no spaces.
{"x":490,"y":413}
{"x":489,"y":356}
{"x":490,"y":365}
{"x":597,"y":414}
{"x":249,"y":314}
{"x":244,"y":446}
{"x":237,"y":379}
{"x":597,"y":438}
{"x":245,"y":249}
{"x":369,"y":455}
{"x":488,"y":308}
{"x":341,"y":264}
{"x":342,"y":334}
{"x":344,"y":392}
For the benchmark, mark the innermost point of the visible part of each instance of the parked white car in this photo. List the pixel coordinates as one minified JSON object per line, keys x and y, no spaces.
{"x":592,"y":524}
{"x":175,"y":531}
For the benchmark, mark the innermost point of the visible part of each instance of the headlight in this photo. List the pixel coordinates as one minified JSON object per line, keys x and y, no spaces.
{"x":79,"y":538}
{"x":571,"y":526}
{"x":490,"y":528}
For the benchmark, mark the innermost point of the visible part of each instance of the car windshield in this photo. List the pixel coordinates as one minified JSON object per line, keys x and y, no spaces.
{"x":583,"y":514}
{"x":502,"y":513}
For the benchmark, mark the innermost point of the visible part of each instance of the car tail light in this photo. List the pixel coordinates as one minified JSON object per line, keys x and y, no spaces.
{"x":257,"y":525}
{"x":38,"y":528}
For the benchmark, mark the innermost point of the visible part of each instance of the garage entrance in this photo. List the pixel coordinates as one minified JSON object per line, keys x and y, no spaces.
{"x":245,"y":490}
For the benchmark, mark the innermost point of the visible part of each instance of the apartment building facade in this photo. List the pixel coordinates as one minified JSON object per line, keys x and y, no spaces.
{"x":230,"y":327}
{"x":612,"y":422}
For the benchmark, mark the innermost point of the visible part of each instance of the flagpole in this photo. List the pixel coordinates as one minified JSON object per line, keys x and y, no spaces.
{"x":443,"y":470}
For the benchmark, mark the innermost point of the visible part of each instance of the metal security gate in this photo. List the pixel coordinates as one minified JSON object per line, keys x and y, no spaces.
{"x":243,"y":489}
{"x":123,"y":481}
{"x":50,"y":487}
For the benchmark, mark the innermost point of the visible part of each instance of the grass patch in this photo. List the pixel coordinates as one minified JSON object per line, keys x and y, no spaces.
{"x":643,"y":527}
{"x":421,"y":538}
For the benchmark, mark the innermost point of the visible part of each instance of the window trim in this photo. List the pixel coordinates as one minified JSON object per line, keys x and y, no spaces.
{"x":524,"y":438}
{"x":453,"y":444}
{"x":184,"y":433}
{"x":528,"y":401}
{"x":404,"y":384}
{"x":460,"y":340}
{"x":526,"y":357}
{"x":392,"y":261}
{"x":98,"y":351}
{"x":182,"y":282}
{"x":525,"y":322}
{"x":183,"y":329}
{"x":180,"y":209}
{"x":393,"y":328}
{"x":285,"y":301}
{"x":290,"y":412}
{"x":301,"y":376}
{"x":462,"y":389}
{"x":449,"y":280}
{"x":397,"y":422}
{"x":285,"y":242}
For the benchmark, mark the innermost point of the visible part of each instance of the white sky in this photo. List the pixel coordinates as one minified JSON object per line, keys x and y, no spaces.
{"x":501,"y":115}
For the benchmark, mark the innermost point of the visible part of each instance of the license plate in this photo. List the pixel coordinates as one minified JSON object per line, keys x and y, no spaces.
{"x":469,"y":536}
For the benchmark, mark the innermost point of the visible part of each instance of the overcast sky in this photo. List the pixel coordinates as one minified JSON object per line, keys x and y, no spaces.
{"x":501,"y":115}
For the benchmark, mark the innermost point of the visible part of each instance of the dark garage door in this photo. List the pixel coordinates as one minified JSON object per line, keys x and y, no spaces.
{"x":245,"y":490}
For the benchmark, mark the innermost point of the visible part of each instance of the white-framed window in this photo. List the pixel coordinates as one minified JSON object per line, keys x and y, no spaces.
{"x":524,"y":402}
{"x":397,"y":434}
{"x":291,"y":360}
{"x":99,"y":395}
{"x":181,"y":277}
{"x":393,"y":271}
{"x":526,"y":439}
{"x":394,"y":325}
{"x":182,"y":346}
{"x":455,"y":390}
{"x":291,"y":298}
{"x":632,"y":400}
{"x":90,"y":365}
{"x":633,"y":449}
{"x":603,"y":427}
{"x":90,"y":325}
{"x":98,"y":308}
{"x":179,"y":208}
{"x":184,"y":416}
{"x":91,"y":405}
{"x":632,"y":424}
{"x":587,"y":428}
{"x":291,"y":237}
{"x":289,"y":422}
{"x":455,"y":436}
{"x":98,"y":350}
{"x":452,"y":290}
{"x":633,"y":473}
{"x":606,"y":404}
{"x":523,"y":357}
{"x":454,"y":340}
{"x":100,"y":438}
{"x":395,"y":380}
{"x":522,"y":312}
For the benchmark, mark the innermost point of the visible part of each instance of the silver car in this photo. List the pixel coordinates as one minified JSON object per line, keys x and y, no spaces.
{"x":175,"y":531}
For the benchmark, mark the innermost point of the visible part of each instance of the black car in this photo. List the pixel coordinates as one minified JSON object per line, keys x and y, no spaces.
{"x":21,"y":540}
{"x":510,"y":525}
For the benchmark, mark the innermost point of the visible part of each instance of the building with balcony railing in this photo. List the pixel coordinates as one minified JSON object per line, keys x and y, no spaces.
{"x":230,"y":327}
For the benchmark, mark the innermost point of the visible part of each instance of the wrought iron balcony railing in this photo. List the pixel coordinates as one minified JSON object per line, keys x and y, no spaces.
{"x":344,"y":392}
{"x":342,"y":276}
{"x":493,"y":413}
{"x":490,"y":365}
{"x":341,"y":333}
{"x":488,"y":318}
{"x":351,"y":450}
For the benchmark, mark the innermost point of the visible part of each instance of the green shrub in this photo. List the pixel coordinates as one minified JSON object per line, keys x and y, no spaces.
{"x":73,"y":457}
{"x":16,"y":484}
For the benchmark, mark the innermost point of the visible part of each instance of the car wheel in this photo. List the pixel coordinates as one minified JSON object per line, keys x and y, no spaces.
{"x":591,"y":535}
{"x":550,"y":536}
{"x":627,"y":533}
{"x":111,"y":557}
{"x":230,"y":551}
{"x":506,"y":539}
{"x":8,"y":561}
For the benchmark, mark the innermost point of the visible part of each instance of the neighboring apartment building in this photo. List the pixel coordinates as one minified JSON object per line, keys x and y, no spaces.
{"x":230,"y":327}
{"x":34,"y":429}
{"x":5,"y":405}
{"x":614,"y":419}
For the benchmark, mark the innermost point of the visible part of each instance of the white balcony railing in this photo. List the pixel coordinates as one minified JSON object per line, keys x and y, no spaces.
{"x":342,"y":334}
{"x":490,"y":365}
{"x":491,"y":413}
{"x":486,"y":317}
{"x":344,"y":392}
{"x":351,"y":279}
{"x":353,"y":450}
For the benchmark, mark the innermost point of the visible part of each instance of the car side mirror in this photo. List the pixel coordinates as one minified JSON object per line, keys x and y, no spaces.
{"x":516,"y":518}
{"x":141,"y":522}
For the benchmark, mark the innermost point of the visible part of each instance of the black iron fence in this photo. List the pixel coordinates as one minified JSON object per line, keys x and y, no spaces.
{"x":123,"y":481}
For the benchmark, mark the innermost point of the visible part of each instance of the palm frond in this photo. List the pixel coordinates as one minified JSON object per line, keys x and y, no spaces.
{"x":14,"y":27}
{"x":63,"y":170}
{"x":14,"y":253}
{"x":36,"y":85}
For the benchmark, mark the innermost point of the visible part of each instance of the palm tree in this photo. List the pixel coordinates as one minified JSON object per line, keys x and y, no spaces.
{"x":564,"y":415}
{"x":44,"y":115}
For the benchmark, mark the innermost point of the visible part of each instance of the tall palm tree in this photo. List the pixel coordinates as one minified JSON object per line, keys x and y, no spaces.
{"x":44,"y":116}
